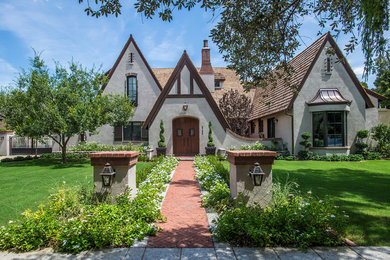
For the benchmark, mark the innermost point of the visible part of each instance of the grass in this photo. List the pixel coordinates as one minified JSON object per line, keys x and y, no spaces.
{"x":362,"y":189}
{"x":27,"y":184}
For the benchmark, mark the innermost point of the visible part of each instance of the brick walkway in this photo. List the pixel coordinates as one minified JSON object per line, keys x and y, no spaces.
{"x":186,"y":224}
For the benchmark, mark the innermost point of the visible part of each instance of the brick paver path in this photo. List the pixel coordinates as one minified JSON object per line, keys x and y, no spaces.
{"x":186,"y":224}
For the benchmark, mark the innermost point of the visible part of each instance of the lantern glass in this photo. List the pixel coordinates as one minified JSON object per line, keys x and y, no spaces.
{"x":256,"y":174}
{"x":106,"y":180}
{"x":107,"y":174}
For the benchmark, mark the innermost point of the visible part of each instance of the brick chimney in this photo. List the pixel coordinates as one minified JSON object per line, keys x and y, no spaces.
{"x":206,"y":70}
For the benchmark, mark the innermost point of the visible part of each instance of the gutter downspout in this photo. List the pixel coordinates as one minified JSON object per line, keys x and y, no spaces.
{"x":292,"y":131}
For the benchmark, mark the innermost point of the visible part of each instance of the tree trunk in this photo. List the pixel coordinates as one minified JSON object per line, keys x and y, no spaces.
{"x":63,"y":149}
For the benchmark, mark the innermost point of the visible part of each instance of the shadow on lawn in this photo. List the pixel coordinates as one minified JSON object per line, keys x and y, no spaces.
{"x":358,"y":192}
{"x":50,"y":163}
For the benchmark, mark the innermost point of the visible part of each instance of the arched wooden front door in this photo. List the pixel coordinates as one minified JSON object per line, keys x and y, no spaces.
{"x":185,"y":132}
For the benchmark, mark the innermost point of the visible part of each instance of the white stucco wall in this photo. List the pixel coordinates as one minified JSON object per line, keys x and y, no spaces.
{"x":4,"y":143}
{"x":317,"y":79}
{"x":372,"y":115}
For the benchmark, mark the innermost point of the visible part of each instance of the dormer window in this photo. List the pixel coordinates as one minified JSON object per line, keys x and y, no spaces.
{"x":217,"y":85}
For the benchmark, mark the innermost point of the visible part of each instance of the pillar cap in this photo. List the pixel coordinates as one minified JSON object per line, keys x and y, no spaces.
{"x":125,"y":158}
{"x":249,"y":157}
{"x":110,"y":154}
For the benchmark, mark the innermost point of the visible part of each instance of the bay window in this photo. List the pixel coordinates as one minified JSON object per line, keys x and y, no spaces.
{"x":329,"y":128}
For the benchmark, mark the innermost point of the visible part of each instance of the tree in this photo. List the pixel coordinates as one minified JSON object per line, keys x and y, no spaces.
{"x":236,"y":108}
{"x":256,"y":36}
{"x":382,"y":81}
{"x":62,"y":103}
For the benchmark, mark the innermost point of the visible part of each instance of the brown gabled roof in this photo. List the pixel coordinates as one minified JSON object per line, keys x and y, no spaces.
{"x":280,"y":97}
{"x":185,"y":61}
{"x":375,"y":94}
{"x":112,"y":70}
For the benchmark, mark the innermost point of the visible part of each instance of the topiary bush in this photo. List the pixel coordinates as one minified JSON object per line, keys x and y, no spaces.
{"x":210,"y":143}
{"x":161,"y":142}
{"x":360,"y":144}
{"x":305,"y":154}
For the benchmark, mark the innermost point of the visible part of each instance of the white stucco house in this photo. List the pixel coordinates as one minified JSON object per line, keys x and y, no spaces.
{"x":329,"y":103}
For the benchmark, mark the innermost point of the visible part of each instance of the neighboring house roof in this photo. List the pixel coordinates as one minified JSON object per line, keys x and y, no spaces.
{"x":375,"y":94}
{"x":112,"y":70}
{"x":280,"y":97}
{"x":174,"y":75}
{"x":328,"y":96}
{"x":229,"y":77}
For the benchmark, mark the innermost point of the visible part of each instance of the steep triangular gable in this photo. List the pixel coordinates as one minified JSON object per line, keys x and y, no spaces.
{"x":346,"y":65}
{"x":112,"y":70}
{"x":195,"y":82}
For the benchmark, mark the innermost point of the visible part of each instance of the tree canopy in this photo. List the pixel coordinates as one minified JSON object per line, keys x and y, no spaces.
{"x":382,"y":81}
{"x":236,"y":108}
{"x":256,"y":36}
{"x":62,"y":103}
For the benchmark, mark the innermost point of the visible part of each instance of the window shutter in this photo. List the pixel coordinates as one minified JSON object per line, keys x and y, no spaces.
{"x":118,"y":133}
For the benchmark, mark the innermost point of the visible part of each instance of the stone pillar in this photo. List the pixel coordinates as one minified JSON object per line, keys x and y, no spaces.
{"x":124,"y":165}
{"x":241,"y":182}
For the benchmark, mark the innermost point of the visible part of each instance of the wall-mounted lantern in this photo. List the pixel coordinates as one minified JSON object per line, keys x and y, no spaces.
{"x":185,"y":106}
{"x":108,"y":174}
{"x":256,"y":174}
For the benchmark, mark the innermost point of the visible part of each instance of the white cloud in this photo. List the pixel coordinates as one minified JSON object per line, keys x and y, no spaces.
{"x":359,"y":71}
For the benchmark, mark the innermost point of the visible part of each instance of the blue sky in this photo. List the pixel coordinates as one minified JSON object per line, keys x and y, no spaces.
{"x":61,"y":31}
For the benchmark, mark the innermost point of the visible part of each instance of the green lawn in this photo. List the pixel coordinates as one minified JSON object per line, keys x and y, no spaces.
{"x":26,"y":184}
{"x":360,"y":188}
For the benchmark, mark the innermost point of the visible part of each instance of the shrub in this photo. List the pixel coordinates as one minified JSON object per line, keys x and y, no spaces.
{"x":213,"y":177}
{"x":381,"y":134}
{"x":68,"y":156}
{"x":19,"y":158}
{"x":73,"y":221}
{"x":372,"y":155}
{"x":285,"y":157}
{"x":210,"y":143}
{"x":161,"y":142}
{"x":255,"y":146}
{"x":96,"y":147}
{"x":297,"y":221}
{"x":360,"y":144}
{"x":305,"y":154}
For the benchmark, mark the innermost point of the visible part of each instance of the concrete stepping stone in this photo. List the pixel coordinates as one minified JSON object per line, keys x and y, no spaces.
{"x":336,"y":253}
{"x":135,"y":253}
{"x":254,"y":253}
{"x":198,"y":253}
{"x":296,"y":254}
{"x":373,"y":252}
{"x":162,"y":253}
{"x":106,"y":254}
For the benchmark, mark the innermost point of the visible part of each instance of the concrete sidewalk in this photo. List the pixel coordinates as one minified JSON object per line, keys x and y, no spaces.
{"x":223,"y":251}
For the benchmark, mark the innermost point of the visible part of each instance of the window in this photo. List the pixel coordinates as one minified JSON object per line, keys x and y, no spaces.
{"x":191,"y":132}
{"x":253,"y":126}
{"x":328,"y":129}
{"x":132,"y":132}
{"x":132,"y":89}
{"x":271,"y":127}
{"x":328,"y":65}
{"x":217,"y":84}
{"x":261,"y":126}
{"x":179,"y":132}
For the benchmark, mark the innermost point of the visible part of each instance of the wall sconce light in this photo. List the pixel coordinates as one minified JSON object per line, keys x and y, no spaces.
{"x":108,"y":174}
{"x":256,"y":174}
{"x":185,"y":106}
